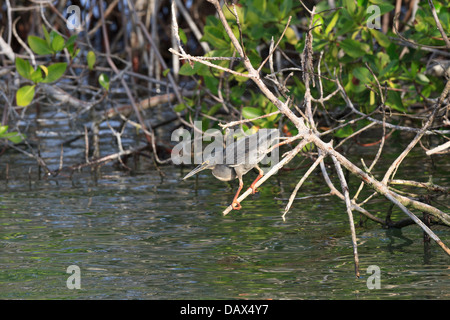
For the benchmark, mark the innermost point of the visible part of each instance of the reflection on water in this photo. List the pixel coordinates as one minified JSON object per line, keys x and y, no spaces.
{"x":147,"y":237}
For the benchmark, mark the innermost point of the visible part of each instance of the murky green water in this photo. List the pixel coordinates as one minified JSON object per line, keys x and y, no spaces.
{"x":145,"y":237}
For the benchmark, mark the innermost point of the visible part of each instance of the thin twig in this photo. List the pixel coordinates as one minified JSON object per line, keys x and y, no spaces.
{"x":209,"y":64}
{"x":300,"y":183}
{"x":275,"y":47}
{"x":438,"y":24}
{"x":195,"y":30}
{"x":235,"y":123}
{"x":394,"y":166}
{"x":348,"y":205}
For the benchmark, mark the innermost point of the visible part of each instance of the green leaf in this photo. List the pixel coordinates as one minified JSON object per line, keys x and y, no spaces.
{"x":14,"y":137}
{"x":103,"y":79}
{"x":383,"y":5}
{"x":308,"y":147}
{"x":422,"y":79}
{"x":344,"y":132}
{"x":414,"y":67}
{"x":394,"y":101}
{"x":345,"y":28}
{"x":91,"y":59}
{"x":271,"y":108}
{"x":260,"y":5}
{"x":166,"y":72}
{"x":57,"y":43}
{"x":285,"y":8}
{"x":319,"y":22}
{"x":214,"y":36}
{"x":239,"y":78}
{"x":213,"y":110}
{"x":70,"y":45}
{"x":353,"y":48}
{"x":25,"y":95}
{"x":71,"y":40}
{"x":55,"y":71}
{"x":36,"y":76}
{"x":229,"y":14}
{"x":426,"y":90}
{"x":39,"y":46}
{"x":182,"y":35}
{"x":362,"y":74}
{"x":251,"y":112}
{"x":392,"y":66}
{"x":76,"y":53}
{"x":47,"y":36}
{"x":179,"y":107}
{"x":188,"y":70}
{"x":3,"y":129}
{"x":332,"y":23}
{"x":24,"y":68}
{"x":212,"y":83}
{"x":291,"y":37}
{"x":274,"y":8}
{"x":372,"y":98}
{"x":350,"y":5}
{"x":381,"y":38}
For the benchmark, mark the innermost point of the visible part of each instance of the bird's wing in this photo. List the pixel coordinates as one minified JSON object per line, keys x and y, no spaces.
{"x":250,"y":150}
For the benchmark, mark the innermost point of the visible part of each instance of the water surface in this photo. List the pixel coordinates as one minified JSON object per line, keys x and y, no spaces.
{"x":143,"y":236}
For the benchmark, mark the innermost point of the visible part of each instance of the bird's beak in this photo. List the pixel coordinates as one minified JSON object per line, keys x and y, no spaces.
{"x":201,"y":167}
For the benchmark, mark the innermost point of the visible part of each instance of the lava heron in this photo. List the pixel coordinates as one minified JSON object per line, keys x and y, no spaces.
{"x":238,"y":158}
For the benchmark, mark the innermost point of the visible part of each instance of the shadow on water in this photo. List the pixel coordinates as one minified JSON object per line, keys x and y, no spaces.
{"x":147,"y":237}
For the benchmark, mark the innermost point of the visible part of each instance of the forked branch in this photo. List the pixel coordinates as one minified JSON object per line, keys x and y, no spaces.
{"x":307,"y":133}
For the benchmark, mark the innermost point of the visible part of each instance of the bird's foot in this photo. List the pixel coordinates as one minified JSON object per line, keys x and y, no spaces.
{"x":254,"y":190}
{"x":236,"y":205}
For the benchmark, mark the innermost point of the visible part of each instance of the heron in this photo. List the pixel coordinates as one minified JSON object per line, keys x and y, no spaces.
{"x":238,"y":158}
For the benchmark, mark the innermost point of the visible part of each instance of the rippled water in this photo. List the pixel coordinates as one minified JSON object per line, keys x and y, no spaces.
{"x":141,"y":236}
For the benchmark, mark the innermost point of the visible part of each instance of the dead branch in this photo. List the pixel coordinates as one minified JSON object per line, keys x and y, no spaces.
{"x":308,"y":133}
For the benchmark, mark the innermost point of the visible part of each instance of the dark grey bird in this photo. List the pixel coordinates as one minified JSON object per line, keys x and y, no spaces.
{"x":238,"y":158}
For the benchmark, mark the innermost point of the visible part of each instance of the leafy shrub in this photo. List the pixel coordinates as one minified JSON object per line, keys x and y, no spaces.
{"x":348,"y":45}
